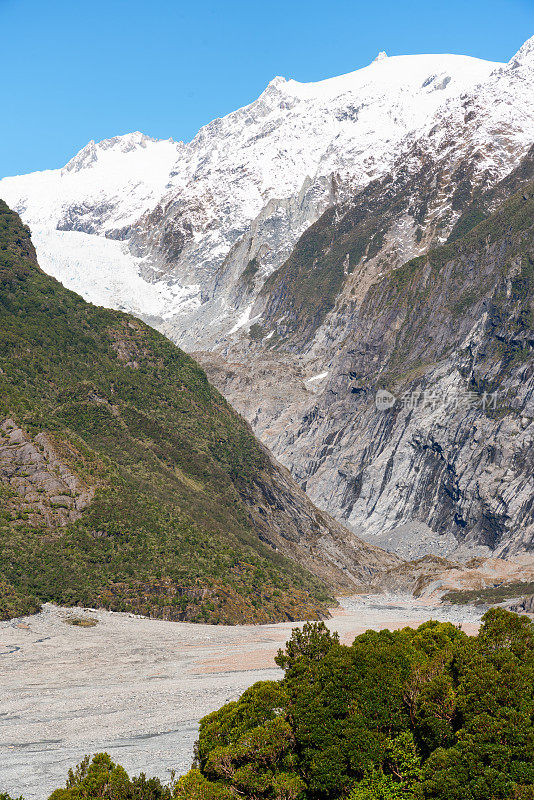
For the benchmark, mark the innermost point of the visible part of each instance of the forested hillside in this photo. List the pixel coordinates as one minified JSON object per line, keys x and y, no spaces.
{"x":126,"y":480}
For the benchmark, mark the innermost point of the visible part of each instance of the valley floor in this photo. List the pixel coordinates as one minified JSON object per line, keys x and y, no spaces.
{"x":137,"y":687}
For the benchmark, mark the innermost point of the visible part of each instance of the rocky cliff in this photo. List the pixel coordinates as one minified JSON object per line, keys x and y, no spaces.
{"x":420,"y":437}
{"x":278,"y":246}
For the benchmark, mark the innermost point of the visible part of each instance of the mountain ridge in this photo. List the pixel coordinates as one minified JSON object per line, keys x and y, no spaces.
{"x":191,"y":215}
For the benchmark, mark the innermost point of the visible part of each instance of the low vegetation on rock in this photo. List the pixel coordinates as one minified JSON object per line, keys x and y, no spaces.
{"x":490,"y":595}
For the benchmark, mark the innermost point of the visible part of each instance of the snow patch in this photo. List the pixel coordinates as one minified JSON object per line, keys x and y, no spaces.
{"x":244,"y":320}
{"x":316,"y":378}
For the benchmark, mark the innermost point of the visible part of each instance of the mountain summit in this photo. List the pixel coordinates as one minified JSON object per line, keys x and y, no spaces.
{"x":182,"y":221}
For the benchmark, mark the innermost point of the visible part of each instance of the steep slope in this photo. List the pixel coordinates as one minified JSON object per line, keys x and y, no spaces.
{"x":307,"y":312}
{"x":128,"y":482}
{"x":465,"y":149}
{"x":263,"y":244}
{"x":445,"y":465}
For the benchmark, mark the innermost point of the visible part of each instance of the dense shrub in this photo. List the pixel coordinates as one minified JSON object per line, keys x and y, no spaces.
{"x":426,"y":713}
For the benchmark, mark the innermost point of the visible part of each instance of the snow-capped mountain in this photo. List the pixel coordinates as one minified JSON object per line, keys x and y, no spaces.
{"x":167,"y":229}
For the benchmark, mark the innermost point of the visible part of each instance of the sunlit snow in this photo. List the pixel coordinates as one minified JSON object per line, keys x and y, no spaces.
{"x":353,"y":127}
{"x":103,"y":272}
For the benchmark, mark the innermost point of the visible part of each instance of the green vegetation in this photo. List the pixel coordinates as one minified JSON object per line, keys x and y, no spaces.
{"x":309,"y":282}
{"x":306,"y":287}
{"x":469,"y":220}
{"x":436,"y":298}
{"x":493,"y":594}
{"x":169,"y":531}
{"x":426,"y":714}
{"x":479,"y":209}
{"x":81,"y":622}
{"x":101,"y":777}
{"x":250,"y":271}
{"x":14,"y":603}
{"x":256,"y":332}
{"x":311,"y":278}
{"x":513,"y":217}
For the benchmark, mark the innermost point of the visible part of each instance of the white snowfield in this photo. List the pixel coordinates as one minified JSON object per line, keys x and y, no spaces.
{"x":104,"y":272}
{"x":264,"y":172}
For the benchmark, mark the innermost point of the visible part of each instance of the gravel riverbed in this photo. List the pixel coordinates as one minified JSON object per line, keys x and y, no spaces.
{"x":137,"y":687}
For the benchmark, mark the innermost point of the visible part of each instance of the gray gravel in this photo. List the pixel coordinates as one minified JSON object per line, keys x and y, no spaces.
{"x":136,"y":688}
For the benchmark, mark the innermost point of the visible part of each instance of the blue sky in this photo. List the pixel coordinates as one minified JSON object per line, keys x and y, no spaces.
{"x":76,"y":71}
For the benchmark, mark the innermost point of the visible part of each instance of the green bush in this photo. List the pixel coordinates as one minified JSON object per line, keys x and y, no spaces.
{"x":426,"y":713}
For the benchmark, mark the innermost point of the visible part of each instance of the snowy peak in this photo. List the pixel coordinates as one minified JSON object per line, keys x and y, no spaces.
{"x":84,"y":158}
{"x":525,"y":54}
{"x":106,"y":187}
{"x":387,"y":76}
{"x":89,"y":154}
{"x":380,"y":57}
{"x":251,"y":182}
{"x":277,"y":81}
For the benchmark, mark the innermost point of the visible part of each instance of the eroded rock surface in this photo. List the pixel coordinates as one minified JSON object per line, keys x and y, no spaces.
{"x":38,"y":487}
{"x":447,"y":466}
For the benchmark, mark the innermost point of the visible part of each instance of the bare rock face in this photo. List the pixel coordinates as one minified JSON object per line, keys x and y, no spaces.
{"x":525,"y":606}
{"x":444,"y":466}
{"x":435,"y":577}
{"x":36,"y":484}
{"x":313,"y":539}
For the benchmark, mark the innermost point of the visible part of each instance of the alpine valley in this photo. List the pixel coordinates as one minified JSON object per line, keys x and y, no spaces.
{"x":370,"y":233}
